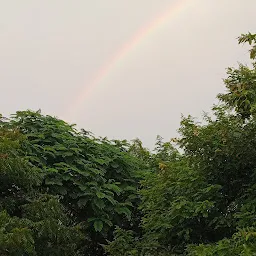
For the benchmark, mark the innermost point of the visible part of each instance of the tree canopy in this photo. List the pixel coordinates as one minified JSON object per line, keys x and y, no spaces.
{"x":66,"y":192}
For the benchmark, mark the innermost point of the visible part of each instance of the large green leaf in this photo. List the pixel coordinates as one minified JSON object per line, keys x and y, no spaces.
{"x":114,"y":188}
{"x":100,"y":194}
{"x":98,"y":225}
{"x":124,"y":210}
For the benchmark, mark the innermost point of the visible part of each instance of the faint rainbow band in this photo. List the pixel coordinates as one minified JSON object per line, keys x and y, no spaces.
{"x":134,"y":42}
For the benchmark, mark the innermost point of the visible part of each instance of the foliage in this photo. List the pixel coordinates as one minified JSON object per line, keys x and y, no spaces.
{"x":30,"y":224}
{"x":241,"y":83}
{"x":203,"y":202}
{"x":95,"y":179}
{"x":15,"y":237}
{"x":66,"y":192}
{"x":17,"y":176}
{"x":124,"y":244}
{"x":242,"y":243}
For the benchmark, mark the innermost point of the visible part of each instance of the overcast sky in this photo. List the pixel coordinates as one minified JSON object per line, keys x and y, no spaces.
{"x":50,"y":51}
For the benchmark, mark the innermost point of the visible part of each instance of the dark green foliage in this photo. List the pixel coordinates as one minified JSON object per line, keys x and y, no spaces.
{"x":30,"y":224}
{"x":51,"y":228}
{"x":241,"y":83}
{"x":65,"y":192}
{"x":177,"y":206}
{"x":15,"y":236}
{"x":124,"y":244}
{"x":40,"y":230}
{"x":17,"y":176}
{"x":203,"y":202}
{"x":241,"y":243}
{"x":95,"y":179}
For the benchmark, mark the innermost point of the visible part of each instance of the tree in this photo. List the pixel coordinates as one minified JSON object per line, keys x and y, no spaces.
{"x":241,"y":83}
{"x":203,"y":202}
{"x":95,"y":179}
{"x":66,"y":192}
{"x":30,"y":223}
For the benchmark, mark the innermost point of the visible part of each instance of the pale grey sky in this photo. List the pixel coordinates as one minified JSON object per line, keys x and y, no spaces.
{"x":50,"y":50}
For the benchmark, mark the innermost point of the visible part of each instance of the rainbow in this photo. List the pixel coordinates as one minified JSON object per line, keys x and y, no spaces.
{"x":138,"y":37}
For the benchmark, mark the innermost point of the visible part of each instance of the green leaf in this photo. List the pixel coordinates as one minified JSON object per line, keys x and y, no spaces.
{"x":100,"y":161}
{"x":100,"y":194}
{"x":53,"y":181}
{"x":111,"y":200}
{"x":130,"y":188}
{"x":82,"y":202}
{"x":98,"y":225}
{"x":99,"y":203}
{"x":52,"y":170}
{"x":114,"y":188}
{"x":124,"y":210}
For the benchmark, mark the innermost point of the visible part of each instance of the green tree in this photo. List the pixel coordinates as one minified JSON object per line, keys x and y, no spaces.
{"x":241,"y":83}
{"x":96,"y":179}
{"x":203,"y":202}
{"x":30,"y":223}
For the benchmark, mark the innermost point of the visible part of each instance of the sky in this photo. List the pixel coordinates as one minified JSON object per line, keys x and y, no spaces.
{"x":118,"y":68}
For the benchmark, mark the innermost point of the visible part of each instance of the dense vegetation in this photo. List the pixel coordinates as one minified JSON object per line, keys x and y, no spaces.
{"x":66,"y":192}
